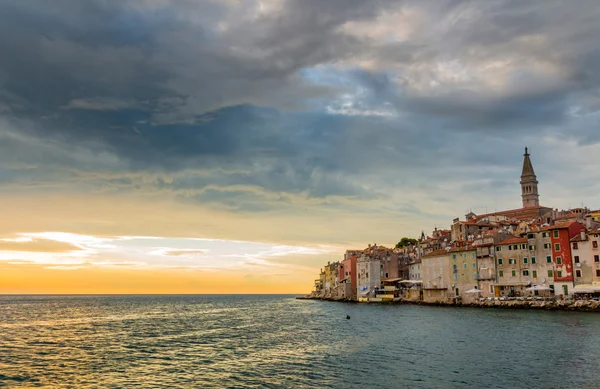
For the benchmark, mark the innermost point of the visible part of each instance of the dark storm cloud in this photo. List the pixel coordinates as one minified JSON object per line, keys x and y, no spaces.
{"x":310,"y":96}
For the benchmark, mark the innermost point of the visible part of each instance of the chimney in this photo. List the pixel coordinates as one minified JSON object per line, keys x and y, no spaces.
{"x":582,"y":234}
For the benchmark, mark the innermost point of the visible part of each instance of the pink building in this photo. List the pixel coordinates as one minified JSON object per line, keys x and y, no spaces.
{"x":347,"y":275}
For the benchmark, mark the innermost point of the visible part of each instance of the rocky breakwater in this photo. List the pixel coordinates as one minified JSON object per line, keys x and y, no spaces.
{"x":551,"y":305}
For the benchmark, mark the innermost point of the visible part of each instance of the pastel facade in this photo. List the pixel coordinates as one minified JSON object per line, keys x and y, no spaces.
{"x":585,"y":251}
{"x":368,"y":273}
{"x":347,"y":276}
{"x":560,"y":236}
{"x":435,"y":268}
{"x":463,"y":264}
{"x":514,"y":267}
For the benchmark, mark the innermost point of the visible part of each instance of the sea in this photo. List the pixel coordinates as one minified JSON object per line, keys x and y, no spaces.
{"x":276,"y":341}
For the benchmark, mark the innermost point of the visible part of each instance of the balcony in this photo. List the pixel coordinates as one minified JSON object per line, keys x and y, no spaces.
{"x":485,"y":277}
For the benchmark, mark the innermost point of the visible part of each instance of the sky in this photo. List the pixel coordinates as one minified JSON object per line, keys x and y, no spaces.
{"x":228,"y":146}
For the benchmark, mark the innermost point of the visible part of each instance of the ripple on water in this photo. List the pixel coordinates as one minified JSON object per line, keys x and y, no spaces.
{"x":277,"y":341}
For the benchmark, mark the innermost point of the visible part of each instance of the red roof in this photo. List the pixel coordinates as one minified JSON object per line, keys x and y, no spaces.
{"x":558,"y":226}
{"x":435,"y":253}
{"x":519,"y":211}
{"x":512,"y":241}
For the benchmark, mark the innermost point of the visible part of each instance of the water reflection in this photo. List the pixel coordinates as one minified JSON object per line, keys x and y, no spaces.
{"x":277,"y":341}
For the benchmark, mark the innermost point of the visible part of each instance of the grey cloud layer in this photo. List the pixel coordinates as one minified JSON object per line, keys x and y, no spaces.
{"x":320,"y":98}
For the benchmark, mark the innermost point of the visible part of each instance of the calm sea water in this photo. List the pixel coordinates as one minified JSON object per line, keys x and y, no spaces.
{"x":277,"y":341}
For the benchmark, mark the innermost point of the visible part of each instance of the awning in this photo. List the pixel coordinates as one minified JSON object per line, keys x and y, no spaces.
{"x":411,"y":282}
{"x":516,"y":283}
{"x":365,"y":293}
{"x":586,"y":288}
{"x":392,"y":280}
{"x":539,"y":287}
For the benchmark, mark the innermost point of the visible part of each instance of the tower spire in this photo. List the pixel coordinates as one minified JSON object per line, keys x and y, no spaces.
{"x":529,"y":183}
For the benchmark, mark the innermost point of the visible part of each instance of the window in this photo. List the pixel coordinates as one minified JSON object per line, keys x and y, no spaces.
{"x":531,"y":247}
{"x":575,"y":246}
{"x":474,"y":265}
{"x":597,"y":272}
{"x":456,"y":276}
{"x":556,"y":233}
{"x":550,"y":273}
{"x":501,"y":273}
{"x":454,"y":266}
{"x":595,"y":244}
{"x":525,"y":260}
{"x":453,"y":256}
{"x":533,"y":260}
{"x":548,"y":259}
{"x":498,"y":248}
{"x":558,"y":260}
{"x":499,"y":261}
{"x":512,"y":261}
{"x":544,"y":234}
{"x":346,"y":274}
{"x":546,"y":245}
{"x":557,"y":247}
{"x":473,"y":255}
{"x":530,"y":236}
{"x":559,"y":274}
{"x":523,"y":246}
{"x":526,"y":273}
{"x":534,"y":273}
{"x":578,"y":273}
{"x":515,"y":247}
{"x":386,"y":275}
{"x":464,"y":265}
{"x":464,"y":255}
{"x":509,"y":247}
{"x":596,"y":258}
{"x":514,"y":273}
{"x":576,"y":259}
{"x":475,"y":275}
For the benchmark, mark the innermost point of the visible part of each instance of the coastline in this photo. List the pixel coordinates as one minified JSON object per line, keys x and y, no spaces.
{"x":564,"y":305}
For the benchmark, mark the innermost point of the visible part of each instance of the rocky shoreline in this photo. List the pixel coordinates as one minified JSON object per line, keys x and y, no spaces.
{"x":549,"y":305}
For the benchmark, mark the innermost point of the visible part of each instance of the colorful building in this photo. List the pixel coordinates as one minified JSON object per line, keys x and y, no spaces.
{"x":463,"y":264}
{"x":436,"y":276}
{"x":347,"y":275}
{"x":560,"y":237}
{"x":585,"y":251}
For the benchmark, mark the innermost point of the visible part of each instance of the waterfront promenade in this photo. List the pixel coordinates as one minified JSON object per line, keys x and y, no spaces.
{"x":516,"y":303}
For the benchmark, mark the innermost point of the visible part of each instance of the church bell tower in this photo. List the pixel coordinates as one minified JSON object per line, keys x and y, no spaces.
{"x":529,"y":184}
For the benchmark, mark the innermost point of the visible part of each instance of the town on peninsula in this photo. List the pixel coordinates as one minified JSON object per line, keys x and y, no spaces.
{"x":531,"y":257}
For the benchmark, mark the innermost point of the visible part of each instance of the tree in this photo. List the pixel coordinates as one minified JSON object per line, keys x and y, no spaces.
{"x":406,"y":242}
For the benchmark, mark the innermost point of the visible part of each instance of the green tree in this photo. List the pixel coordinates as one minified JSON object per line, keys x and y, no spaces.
{"x":406,"y":242}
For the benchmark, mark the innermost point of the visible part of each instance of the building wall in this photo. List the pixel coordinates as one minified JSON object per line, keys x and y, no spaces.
{"x":414,"y":271}
{"x":389,"y":265}
{"x":561,"y":256}
{"x":543,"y":255}
{"x":463,"y":265}
{"x":347,"y":271}
{"x":435,"y":275}
{"x":583,"y":262}
{"x":368,"y":275}
{"x":589,"y":260}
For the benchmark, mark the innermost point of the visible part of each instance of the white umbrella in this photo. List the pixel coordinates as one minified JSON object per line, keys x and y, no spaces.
{"x":538,"y":287}
{"x":473,"y":291}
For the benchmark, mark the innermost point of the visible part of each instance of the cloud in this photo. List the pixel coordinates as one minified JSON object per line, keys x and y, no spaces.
{"x":59,"y":250}
{"x":36,"y":245}
{"x":395,"y":113}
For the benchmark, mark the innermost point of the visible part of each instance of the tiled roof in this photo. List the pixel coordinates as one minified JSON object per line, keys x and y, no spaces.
{"x":558,"y":226}
{"x":523,"y":213}
{"x":435,"y":253}
{"x":512,"y":241}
